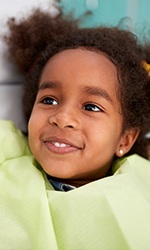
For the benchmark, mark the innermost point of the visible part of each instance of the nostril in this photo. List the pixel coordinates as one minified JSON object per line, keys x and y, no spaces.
{"x":55,"y":124}
{"x":69,"y":126}
{"x":60,"y":124}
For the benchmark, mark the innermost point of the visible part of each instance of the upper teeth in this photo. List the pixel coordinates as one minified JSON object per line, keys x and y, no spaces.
{"x":61,"y":145}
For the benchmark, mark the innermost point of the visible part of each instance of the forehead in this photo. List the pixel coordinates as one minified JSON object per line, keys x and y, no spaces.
{"x":81,"y":62}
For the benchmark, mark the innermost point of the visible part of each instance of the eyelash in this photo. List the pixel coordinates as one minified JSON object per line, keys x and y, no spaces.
{"x":88,"y":106}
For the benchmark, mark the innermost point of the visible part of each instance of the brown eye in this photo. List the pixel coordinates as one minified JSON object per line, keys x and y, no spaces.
{"x":92,"y":107}
{"x":49,"y":101}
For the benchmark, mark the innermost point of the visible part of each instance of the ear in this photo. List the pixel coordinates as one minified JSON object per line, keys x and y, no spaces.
{"x":127,"y":140}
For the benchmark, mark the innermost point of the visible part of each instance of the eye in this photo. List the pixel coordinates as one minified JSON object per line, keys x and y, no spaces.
{"x":49,"y":101}
{"x":92,"y":107}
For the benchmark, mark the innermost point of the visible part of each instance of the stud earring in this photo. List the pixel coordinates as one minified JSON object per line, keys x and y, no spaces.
{"x":121,"y":152}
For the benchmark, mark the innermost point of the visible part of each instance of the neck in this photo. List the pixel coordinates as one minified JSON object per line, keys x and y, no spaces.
{"x":73,"y":182}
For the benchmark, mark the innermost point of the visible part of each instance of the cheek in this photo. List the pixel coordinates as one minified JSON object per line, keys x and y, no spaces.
{"x":36,"y":124}
{"x":105,"y":137}
{"x":30,"y":134}
{"x":33,"y":127}
{"x":34,"y":121}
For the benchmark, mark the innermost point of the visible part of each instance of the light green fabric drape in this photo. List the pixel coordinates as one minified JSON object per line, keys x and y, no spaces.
{"x":109,"y":214}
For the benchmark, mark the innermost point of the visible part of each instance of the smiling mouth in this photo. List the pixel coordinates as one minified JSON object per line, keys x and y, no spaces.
{"x":60,"y":147}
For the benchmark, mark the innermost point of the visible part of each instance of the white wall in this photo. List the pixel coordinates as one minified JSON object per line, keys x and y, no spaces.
{"x":15,"y":8}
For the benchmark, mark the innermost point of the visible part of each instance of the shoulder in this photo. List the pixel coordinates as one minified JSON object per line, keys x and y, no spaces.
{"x":12,"y":141}
{"x":135,"y":162}
{"x":134,"y":167}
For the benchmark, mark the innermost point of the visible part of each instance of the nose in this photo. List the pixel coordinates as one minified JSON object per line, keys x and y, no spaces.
{"x":64,"y":118}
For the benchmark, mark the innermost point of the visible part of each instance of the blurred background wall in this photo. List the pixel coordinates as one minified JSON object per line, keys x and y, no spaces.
{"x":105,"y":11}
{"x":110,"y":12}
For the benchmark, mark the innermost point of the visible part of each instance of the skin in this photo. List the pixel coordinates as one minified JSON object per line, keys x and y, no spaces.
{"x":75,"y":129}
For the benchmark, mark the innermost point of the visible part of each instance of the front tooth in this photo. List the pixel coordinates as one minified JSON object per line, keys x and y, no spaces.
{"x":57,"y":144}
{"x":62,"y":145}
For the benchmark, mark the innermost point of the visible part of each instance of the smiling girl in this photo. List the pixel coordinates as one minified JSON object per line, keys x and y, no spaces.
{"x":86,"y":101}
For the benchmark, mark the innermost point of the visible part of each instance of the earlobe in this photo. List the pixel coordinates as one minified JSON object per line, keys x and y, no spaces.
{"x":127,"y":140}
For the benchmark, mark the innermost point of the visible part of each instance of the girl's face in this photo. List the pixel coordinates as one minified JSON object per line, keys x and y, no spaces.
{"x":75,"y":128}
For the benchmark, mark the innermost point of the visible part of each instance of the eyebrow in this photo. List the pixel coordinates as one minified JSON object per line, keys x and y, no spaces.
{"x":48,"y":85}
{"x":96,"y":91}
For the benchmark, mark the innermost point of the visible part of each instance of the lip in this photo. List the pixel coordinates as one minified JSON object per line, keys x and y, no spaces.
{"x":69,"y":148}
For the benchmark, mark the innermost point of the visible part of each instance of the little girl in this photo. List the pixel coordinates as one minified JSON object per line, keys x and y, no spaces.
{"x":86,"y":101}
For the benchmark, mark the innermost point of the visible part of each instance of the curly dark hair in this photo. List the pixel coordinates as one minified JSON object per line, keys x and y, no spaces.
{"x":35,"y":39}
